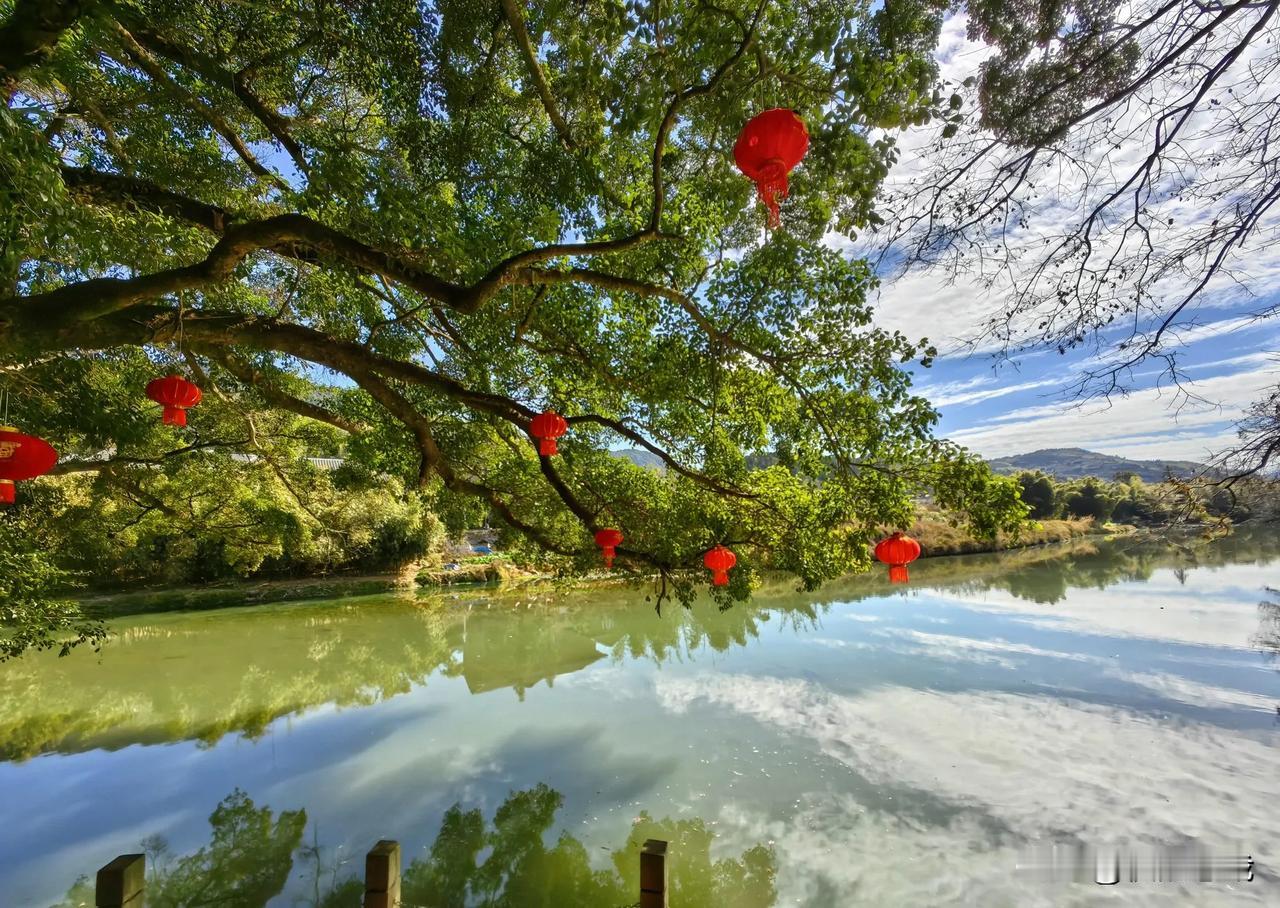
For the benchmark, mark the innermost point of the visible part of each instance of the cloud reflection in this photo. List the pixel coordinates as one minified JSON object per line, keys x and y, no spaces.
{"x":1117,"y":776}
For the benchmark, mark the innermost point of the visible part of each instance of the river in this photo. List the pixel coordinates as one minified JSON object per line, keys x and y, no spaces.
{"x":863,"y":745}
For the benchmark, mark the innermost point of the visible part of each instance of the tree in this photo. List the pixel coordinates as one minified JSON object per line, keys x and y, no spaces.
{"x":252,"y":851}
{"x":1038,"y":494}
{"x":1117,"y":169}
{"x":33,"y":586}
{"x":469,"y":212}
{"x":247,"y":861}
{"x":1090,"y":498}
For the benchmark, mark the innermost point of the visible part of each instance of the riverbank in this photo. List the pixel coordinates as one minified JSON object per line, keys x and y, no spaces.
{"x":937,"y":538}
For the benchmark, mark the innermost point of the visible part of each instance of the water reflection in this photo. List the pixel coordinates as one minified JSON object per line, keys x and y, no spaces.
{"x":1267,"y":640}
{"x":201,"y":676}
{"x":501,"y":862}
{"x":819,"y":738}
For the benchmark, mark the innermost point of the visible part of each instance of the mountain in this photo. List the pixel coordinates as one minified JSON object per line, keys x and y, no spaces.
{"x":1077,"y":463}
{"x":641,"y":458}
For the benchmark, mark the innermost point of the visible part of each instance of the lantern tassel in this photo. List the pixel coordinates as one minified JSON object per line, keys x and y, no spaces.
{"x":7,"y":489}
{"x":772,"y":185}
{"x":720,"y":578}
{"x":608,"y":557}
{"x":174,"y":416}
{"x":547,"y":447}
{"x":898,"y":573}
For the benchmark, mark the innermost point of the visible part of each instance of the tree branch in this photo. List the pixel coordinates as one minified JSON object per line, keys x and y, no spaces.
{"x":143,"y":58}
{"x":681,"y":98}
{"x":32,"y":32}
{"x":247,"y":375}
{"x":235,"y":82}
{"x":65,"y":467}
{"x":304,"y":239}
{"x":515,"y":17}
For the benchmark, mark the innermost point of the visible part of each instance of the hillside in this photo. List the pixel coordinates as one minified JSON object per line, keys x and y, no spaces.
{"x":640,"y":458}
{"x":1076,"y":463}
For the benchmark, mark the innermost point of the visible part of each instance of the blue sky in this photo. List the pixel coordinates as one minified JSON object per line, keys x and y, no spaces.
{"x":1006,"y":408}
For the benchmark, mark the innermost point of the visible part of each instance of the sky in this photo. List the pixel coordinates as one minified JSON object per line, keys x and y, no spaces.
{"x":999,"y":409}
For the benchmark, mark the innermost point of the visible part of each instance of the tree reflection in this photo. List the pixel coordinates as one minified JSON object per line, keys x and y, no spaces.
{"x":518,"y":869}
{"x":1267,"y":640}
{"x":503,"y":863}
{"x":247,"y":861}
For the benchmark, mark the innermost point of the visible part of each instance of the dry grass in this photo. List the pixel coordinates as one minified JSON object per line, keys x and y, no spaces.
{"x":937,"y":537}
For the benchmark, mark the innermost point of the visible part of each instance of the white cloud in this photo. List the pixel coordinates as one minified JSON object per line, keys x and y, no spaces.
{"x":1193,"y":693}
{"x":1137,"y":425}
{"x":927,"y":304}
{"x":963,"y":398}
{"x":948,"y":645}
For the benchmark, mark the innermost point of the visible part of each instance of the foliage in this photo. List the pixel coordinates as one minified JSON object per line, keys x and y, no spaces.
{"x":1089,"y":498}
{"x":938,"y":537}
{"x":246,"y":862}
{"x":214,"y":518}
{"x":1129,"y":500}
{"x":1037,"y":492}
{"x":402,"y":230}
{"x":33,"y":612}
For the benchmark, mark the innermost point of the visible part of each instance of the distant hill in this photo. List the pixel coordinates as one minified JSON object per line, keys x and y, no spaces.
{"x":1077,"y":463}
{"x":1060,"y":463}
{"x":640,"y":458}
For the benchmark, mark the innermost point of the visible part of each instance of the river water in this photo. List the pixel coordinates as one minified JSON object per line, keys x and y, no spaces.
{"x":865,"y":745}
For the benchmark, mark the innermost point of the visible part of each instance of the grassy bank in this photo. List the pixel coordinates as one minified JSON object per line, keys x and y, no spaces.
{"x":937,"y":537}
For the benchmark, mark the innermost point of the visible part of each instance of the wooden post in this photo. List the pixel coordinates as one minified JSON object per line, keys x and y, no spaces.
{"x":120,"y":882}
{"x":382,"y":876}
{"x":653,"y":874}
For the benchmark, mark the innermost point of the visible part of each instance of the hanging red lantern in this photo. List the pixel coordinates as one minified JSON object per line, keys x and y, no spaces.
{"x":898,"y":551}
{"x":547,"y":427}
{"x":608,"y":540}
{"x":22,"y":457}
{"x":769,"y":146}
{"x":719,"y":561}
{"x":176,"y":395}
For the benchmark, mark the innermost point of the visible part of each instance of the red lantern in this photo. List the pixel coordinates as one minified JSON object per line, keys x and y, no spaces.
{"x":608,"y":540}
{"x":719,"y":562}
{"x":769,"y":146}
{"x":547,"y":427}
{"x":898,"y":551}
{"x":177,"y":395}
{"x":22,"y":457}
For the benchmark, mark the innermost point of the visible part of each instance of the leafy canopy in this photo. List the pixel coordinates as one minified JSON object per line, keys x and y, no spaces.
{"x":421,"y":224}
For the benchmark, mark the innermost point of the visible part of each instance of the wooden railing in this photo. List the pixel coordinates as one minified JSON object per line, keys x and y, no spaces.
{"x":122,"y":883}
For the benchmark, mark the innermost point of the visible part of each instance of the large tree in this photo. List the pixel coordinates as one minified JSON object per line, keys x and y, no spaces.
{"x":460,"y":213}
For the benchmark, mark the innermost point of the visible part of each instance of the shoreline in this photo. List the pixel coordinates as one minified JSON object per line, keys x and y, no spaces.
{"x":489,"y":574}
